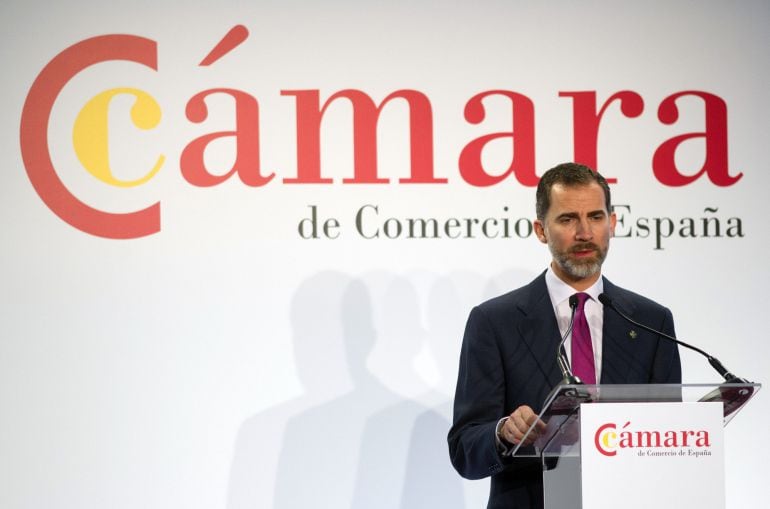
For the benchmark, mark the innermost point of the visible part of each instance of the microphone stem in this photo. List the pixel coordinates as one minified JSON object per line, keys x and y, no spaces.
{"x":718,"y":366}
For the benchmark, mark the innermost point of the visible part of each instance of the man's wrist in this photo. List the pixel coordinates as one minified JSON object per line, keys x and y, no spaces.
{"x":503,"y":445}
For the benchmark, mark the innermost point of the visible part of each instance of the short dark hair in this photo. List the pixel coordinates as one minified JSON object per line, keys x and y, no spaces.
{"x":568,"y":174}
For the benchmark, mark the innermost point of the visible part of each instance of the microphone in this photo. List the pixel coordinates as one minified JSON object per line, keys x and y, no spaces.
{"x":729,"y":377}
{"x":561,"y":353}
{"x":564,"y":403}
{"x":731,"y":396}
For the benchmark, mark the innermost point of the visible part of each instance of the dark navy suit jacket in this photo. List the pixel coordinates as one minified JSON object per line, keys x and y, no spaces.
{"x":508,"y":359}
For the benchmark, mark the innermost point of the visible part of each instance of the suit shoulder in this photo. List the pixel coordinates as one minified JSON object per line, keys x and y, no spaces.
{"x":634,"y":300}
{"x":519,"y":298}
{"x":503,"y":301}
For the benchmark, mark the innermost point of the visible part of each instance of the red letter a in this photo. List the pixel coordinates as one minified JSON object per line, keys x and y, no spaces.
{"x":522,"y":142}
{"x":246,"y":134}
{"x":715,"y":135}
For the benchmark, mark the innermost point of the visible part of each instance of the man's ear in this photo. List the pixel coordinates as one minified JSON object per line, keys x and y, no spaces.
{"x":613,"y":222}
{"x":540,"y":231}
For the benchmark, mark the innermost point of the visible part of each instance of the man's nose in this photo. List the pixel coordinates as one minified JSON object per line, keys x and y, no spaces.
{"x":584,"y":232}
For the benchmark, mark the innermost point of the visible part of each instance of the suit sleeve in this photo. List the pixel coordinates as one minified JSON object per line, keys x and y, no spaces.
{"x":479,"y":403}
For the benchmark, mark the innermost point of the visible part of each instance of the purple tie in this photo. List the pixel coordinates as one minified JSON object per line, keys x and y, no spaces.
{"x":582,"y":350}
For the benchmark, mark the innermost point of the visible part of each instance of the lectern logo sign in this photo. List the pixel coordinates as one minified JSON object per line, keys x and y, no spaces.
{"x":611,"y":438}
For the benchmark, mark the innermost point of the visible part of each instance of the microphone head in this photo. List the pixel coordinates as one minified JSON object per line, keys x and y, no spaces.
{"x":604,"y":299}
{"x":573,"y":301}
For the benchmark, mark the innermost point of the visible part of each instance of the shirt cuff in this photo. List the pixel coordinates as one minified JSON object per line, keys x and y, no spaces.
{"x":503,"y":447}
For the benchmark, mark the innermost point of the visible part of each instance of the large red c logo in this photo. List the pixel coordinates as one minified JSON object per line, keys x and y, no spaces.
{"x":599,"y":437}
{"x":34,"y":136}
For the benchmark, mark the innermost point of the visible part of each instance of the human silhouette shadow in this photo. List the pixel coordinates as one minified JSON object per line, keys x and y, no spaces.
{"x":319,"y":459}
{"x":385,"y":440}
{"x":349,"y":440}
{"x":319,"y":357}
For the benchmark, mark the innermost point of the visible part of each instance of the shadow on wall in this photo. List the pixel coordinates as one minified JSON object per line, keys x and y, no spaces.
{"x":351,"y":440}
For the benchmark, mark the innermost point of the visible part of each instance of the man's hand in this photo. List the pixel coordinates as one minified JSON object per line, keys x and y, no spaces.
{"x":518,"y":423}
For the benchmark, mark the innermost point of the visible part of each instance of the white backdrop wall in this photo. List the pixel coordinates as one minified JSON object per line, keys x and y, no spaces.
{"x":226,"y":362}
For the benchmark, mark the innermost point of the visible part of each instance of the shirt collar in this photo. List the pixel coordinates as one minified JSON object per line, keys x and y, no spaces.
{"x":561,"y":291}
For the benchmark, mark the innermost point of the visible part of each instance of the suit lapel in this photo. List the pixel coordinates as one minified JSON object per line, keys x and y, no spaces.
{"x":539,"y":330}
{"x":617,"y":351}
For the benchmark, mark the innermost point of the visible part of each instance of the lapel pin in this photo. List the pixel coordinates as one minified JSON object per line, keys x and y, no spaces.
{"x":632,"y":334}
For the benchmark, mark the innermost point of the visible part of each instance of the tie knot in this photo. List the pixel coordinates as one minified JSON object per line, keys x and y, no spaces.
{"x":582,"y":297}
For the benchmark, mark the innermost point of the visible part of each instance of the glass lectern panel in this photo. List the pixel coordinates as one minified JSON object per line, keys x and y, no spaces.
{"x":561,"y":409}
{"x":559,"y":445}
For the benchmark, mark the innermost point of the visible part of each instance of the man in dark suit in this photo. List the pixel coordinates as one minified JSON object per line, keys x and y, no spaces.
{"x":508,"y":360}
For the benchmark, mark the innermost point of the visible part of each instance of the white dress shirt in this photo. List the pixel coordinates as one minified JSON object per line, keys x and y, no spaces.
{"x":560,"y":292}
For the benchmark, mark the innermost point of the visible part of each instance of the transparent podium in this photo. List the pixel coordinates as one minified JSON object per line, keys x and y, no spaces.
{"x":649,"y":442}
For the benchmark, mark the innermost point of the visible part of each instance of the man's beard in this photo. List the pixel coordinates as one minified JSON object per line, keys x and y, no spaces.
{"x":579,"y":268}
